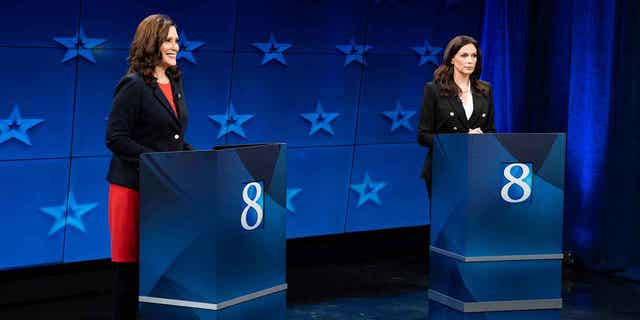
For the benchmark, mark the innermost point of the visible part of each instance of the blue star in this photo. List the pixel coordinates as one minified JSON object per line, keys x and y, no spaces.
{"x":368,"y":190}
{"x":73,"y":219}
{"x":427,"y":53}
{"x":399,"y":117}
{"x":320,"y":120}
{"x":354,"y":52}
{"x":231,"y":122}
{"x":291,"y":193}
{"x":272,"y":50}
{"x":79,"y":45}
{"x":16,"y":127}
{"x":187,"y":47}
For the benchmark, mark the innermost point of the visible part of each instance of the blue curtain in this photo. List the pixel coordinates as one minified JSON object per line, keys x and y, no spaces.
{"x":566,"y":66}
{"x":619,"y":222}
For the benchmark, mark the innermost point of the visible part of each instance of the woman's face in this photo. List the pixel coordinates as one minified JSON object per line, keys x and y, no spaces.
{"x":169,"y":48}
{"x":464,"y":61}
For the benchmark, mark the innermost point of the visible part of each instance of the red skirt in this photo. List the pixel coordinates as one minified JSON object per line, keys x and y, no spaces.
{"x":124,"y":213}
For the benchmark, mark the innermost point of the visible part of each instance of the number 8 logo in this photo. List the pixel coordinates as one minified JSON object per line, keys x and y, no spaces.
{"x":526,"y":189}
{"x":251,"y":204}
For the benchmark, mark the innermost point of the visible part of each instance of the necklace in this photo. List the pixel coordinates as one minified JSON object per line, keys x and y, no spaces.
{"x":463,"y":93}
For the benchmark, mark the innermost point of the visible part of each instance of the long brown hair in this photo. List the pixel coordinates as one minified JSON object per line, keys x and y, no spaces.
{"x":144,"y":54}
{"x":443,"y":76}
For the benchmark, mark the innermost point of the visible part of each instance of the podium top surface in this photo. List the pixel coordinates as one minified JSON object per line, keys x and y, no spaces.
{"x":249,"y":145}
{"x":220,"y":148}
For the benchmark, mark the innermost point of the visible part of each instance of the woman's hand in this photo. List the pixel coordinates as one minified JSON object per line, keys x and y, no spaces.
{"x":475,"y":131}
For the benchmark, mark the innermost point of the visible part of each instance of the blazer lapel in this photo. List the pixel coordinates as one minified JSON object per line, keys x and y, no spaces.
{"x":178,"y":99}
{"x":165,"y":103}
{"x":459,"y":111}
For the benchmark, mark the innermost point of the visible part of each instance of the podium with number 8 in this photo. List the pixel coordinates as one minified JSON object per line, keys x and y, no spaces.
{"x":496,"y":227}
{"x":212,"y":233}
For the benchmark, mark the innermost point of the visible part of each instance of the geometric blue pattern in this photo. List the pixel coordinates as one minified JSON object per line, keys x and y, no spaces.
{"x":231,"y":122}
{"x":74,"y":219}
{"x":320,"y":120}
{"x":368,"y":190}
{"x":272,"y":50}
{"x":399,"y":117}
{"x":79,"y":46}
{"x":291,"y":193}
{"x":187,"y":47}
{"x":354,"y":52}
{"x":16,"y":127}
{"x":427,"y":53}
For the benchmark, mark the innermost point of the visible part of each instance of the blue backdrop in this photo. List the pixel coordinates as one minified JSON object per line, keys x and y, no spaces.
{"x":556,"y":66}
{"x":273,"y":65}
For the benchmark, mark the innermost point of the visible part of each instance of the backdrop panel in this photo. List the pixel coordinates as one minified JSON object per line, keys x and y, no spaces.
{"x":36,"y":107}
{"x":87,"y":234}
{"x":34,"y":211}
{"x":385,"y":190}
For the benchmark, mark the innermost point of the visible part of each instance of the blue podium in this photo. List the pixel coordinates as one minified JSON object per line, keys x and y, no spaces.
{"x":212,"y":234}
{"x":496,"y":229}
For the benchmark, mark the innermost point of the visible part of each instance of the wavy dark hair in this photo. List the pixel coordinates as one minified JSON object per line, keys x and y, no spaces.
{"x":443,"y":76}
{"x":144,"y":54}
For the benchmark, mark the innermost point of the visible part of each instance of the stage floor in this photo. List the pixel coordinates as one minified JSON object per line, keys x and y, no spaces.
{"x":382,"y":288}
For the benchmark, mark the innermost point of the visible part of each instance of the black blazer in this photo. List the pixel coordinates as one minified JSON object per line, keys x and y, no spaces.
{"x":142,"y":120}
{"x":442,"y":114}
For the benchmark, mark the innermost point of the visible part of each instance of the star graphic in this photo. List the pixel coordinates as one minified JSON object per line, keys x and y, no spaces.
{"x":187,"y":47}
{"x":231,"y":122}
{"x":74,"y":218}
{"x":272,"y":50}
{"x":291,"y":193}
{"x":354,"y":52}
{"x":368,"y":190}
{"x":399,"y":117}
{"x":79,"y":45}
{"x":427,"y":53}
{"x":320,"y":120}
{"x":16,"y":127}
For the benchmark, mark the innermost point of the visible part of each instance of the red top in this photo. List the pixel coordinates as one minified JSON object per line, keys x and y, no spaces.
{"x":168,"y":93}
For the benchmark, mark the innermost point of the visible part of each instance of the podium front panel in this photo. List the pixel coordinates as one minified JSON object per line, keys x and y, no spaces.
{"x":496,"y":237}
{"x":472,"y":216}
{"x":212,"y":232}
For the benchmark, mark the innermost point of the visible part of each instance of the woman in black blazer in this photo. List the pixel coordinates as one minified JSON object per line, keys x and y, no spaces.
{"x":457,"y":101}
{"x":149,"y":114}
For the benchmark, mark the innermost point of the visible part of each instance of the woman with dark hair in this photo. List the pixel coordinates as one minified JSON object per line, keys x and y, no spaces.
{"x":149,"y":114}
{"x":456,"y":101}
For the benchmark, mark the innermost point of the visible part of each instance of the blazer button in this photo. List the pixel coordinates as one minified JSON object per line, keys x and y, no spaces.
{"x":484,"y":115}
{"x":451,"y":114}
{"x":177,"y":136}
{"x":455,"y":128}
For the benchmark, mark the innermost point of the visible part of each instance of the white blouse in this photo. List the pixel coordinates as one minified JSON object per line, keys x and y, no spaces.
{"x":467,"y":103}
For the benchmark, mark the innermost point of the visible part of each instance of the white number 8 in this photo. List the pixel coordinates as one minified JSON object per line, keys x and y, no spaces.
{"x":526,"y":189}
{"x":251,"y":203}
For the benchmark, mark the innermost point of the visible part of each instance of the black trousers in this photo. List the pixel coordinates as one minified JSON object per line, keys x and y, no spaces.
{"x":125,"y":290}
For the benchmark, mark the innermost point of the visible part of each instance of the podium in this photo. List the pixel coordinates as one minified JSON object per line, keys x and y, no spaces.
{"x":212,"y":234}
{"x":496,"y":228}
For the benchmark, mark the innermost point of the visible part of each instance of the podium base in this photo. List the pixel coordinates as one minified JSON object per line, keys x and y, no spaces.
{"x":270,"y":306}
{"x":438,"y":311}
